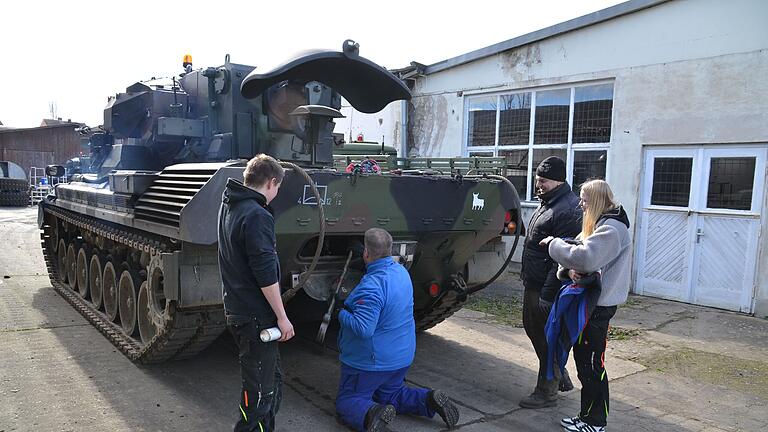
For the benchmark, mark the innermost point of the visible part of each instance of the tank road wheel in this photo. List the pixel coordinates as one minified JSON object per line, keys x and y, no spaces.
{"x":61,"y":261}
{"x":95,"y":273}
{"x":155,"y":312}
{"x":54,"y":230}
{"x":82,"y":272}
{"x":127,"y":289}
{"x":147,"y":327}
{"x":109,"y":290}
{"x":72,"y":266}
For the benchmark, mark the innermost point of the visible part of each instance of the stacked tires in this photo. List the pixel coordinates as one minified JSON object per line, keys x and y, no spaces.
{"x":14,"y":192}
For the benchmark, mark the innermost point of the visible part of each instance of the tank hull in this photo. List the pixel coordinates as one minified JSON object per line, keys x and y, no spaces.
{"x":162,"y":252}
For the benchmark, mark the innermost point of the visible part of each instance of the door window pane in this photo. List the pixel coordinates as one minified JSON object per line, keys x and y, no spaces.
{"x":730,"y":183}
{"x":592,"y":107}
{"x":552,"y":108}
{"x":514,"y":118}
{"x":517,"y":169}
{"x":538,"y":156}
{"x":671,"y":181}
{"x":482,"y":121}
{"x":588,"y":165}
{"x":481,"y":154}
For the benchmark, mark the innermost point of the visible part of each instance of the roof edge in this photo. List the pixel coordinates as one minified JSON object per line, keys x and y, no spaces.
{"x":6,"y":129}
{"x":593,"y":18}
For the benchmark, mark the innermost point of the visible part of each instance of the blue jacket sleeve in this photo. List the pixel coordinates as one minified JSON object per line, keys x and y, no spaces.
{"x":258,"y":232}
{"x":362,"y":309}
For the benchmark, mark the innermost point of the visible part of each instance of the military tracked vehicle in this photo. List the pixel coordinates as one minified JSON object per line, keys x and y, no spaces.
{"x":132,"y":244}
{"x":14,"y":187}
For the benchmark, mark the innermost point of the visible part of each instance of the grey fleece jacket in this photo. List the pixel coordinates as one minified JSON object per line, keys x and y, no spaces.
{"x":607,"y":249}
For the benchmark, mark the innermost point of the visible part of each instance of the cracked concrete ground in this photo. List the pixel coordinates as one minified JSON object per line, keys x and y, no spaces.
{"x":676,"y":368}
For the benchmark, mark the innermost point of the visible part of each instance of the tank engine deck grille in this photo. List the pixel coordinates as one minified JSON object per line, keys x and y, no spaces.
{"x":169,"y":193}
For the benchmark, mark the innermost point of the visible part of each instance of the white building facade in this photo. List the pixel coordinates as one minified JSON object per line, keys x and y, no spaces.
{"x":666,"y":100}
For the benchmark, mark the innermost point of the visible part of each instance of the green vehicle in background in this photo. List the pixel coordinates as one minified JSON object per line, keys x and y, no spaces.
{"x":132,"y":242}
{"x":364,"y":148}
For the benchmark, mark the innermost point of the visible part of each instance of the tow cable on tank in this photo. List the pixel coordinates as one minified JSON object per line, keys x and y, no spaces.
{"x":288,"y":294}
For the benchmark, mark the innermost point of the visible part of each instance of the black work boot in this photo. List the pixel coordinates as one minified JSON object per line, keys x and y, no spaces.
{"x":442,"y":405}
{"x":378,"y":416}
{"x":544,"y":395}
{"x":565,"y":382}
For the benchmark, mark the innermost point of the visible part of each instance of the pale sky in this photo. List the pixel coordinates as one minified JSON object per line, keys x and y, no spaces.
{"x":76,"y":53}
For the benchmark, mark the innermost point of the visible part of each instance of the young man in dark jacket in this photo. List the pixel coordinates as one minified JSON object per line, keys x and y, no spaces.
{"x":250,"y":274}
{"x":558,"y":215}
{"x":377,"y":343}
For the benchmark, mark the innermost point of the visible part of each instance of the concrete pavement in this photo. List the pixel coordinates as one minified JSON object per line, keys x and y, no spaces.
{"x":672,"y":372}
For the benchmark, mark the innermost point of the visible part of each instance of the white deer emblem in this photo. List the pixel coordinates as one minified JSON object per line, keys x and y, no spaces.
{"x":477,"y":202}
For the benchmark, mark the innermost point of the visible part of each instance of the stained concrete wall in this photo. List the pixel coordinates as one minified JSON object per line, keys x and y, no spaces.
{"x":685,"y":72}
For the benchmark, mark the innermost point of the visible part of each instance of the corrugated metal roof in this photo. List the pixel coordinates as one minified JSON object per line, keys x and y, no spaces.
{"x":548,"y":32}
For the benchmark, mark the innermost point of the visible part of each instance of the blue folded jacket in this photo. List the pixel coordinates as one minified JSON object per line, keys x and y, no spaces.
{"x":568,"y":317}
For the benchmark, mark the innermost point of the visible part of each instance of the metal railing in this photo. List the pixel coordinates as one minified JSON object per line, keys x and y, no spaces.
{"x":464,"y":165}
{"x":41,"y":184}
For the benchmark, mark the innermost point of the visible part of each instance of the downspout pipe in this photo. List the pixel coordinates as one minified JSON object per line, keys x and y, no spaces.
{"x":404,"y":128}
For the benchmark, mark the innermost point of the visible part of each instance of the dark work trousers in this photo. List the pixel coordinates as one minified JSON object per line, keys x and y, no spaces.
{"x":261,"y":392}
{"x":359,"y":390}
{"x":534,"y":320}
{"x":589,"y":355}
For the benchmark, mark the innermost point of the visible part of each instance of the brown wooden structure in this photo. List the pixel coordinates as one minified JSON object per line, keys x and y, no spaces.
{"x":41,"y":146}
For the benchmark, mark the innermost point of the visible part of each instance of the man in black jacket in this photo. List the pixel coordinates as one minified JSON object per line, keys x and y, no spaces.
{"x":558,"y":215}
{"x":250,"y":274}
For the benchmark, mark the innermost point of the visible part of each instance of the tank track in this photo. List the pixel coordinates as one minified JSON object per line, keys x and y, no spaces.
{"x":184,"y":332}
{"x":446,"y":305}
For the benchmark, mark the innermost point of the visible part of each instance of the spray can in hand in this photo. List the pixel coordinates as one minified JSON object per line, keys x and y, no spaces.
{"x":270,"y":334}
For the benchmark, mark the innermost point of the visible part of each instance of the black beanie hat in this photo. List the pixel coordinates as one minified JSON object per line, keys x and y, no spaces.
{"x":552,"y":168}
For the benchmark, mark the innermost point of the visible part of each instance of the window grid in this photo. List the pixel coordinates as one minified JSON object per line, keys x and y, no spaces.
{"x":508,"y":132}
{"x":588,"y":165}
{"x":514,"y":118}
{"x":730,"y":183}
{"x":592,"y":112}
{"x":517,"y":168}
{"x":671,"y":181}
{"x":552,"y":117}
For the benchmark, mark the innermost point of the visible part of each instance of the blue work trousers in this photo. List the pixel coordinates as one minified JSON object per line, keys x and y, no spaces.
{"x":359,"y":390}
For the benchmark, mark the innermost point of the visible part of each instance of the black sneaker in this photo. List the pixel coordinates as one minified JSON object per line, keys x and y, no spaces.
{"x":378,"y":416}
{"x":444,"y":407}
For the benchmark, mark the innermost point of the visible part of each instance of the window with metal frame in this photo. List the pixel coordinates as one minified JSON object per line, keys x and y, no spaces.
{"x":588,"y":165}
{"x":730,"y":183}
{"x":526,"y":126}
{"x":517,"y":169}
{"x":482,"y":121}
{"x":592,"y":110}
{"x":671,"y":181}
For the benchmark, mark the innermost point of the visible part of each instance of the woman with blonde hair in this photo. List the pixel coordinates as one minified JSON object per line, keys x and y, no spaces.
{"x":603,"y":245}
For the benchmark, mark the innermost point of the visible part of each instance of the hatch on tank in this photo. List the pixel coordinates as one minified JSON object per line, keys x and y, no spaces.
{"x":367,"y":86}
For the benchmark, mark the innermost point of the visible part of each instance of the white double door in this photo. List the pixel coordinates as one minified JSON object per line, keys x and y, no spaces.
{"x":700,"y":225}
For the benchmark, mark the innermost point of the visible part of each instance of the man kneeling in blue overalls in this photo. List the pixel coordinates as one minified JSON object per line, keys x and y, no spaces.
{"x":377,"y":343}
